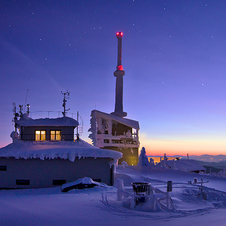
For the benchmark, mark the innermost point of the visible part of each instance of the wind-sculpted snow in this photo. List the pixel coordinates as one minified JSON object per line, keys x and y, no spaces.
{"x":52,"y":150}
{"x":185,"y":196}
{"x":99,"y":205}
{"x":185,"y":165}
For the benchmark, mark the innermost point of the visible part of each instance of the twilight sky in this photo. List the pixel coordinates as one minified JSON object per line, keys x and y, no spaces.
{"x":174,"y":57}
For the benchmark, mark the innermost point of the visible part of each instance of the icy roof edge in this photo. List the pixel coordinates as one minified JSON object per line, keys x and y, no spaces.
{"x":61,"y":121}
{"x":53,"y":150}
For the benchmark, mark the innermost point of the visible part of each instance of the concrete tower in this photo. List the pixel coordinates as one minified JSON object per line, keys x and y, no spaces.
{"x":119,"y":73}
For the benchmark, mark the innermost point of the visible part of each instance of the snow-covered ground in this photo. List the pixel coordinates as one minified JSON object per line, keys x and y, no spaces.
{"x":99,"y":205}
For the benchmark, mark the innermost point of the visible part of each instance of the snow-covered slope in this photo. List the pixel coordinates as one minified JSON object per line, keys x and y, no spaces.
{"x":99,"y":205}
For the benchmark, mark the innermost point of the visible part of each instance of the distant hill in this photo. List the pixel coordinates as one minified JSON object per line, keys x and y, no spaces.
{"x":214,"y":166}
{"x":209,"y":158}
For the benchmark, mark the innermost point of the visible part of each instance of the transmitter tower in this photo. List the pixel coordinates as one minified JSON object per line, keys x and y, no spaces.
{"x":119,"y":73}
{"x":114,"y":131}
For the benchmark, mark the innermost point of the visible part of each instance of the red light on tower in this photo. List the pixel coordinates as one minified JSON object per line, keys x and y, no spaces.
{"x":119,"y":34}
{"x":120,"y":68}
{"x":119,"y":73}
{"x":119,"y":37}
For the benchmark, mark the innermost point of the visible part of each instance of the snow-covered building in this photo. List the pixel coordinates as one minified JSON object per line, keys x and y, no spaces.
{"x":114,"y":131}
{"x":109,"y":131}
{"x":45,"y":154}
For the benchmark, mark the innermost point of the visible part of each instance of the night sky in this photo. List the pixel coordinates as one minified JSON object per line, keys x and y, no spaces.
{"x":174,"y":57}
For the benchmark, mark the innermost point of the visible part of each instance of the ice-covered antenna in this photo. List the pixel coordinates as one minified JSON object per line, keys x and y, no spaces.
{"x":25,"y":104}
{"x":28,"y":109}
{"x":66,"y":96}
{"x":21,"y":110}
{"x":16,"y":115}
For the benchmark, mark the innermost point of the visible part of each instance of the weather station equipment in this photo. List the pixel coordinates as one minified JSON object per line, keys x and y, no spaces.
{"x":141,"y":192}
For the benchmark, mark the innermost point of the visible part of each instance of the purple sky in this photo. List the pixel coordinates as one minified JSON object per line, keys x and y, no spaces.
{"x":174,"y":57}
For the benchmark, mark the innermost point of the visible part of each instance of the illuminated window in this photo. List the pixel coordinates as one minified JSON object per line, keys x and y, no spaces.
{"x":40,"y":135}
{"x":55,"y":135}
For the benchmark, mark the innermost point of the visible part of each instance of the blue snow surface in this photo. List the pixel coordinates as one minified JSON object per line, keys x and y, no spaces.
{"x":100,"y":206}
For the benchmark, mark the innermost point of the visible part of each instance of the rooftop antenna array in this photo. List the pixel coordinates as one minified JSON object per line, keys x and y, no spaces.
{"x":28,"y":109}
{"x":66,"y":96}
{"x":16,"y":115}
{"x":21,"y":111}
{"x":27,"y":105}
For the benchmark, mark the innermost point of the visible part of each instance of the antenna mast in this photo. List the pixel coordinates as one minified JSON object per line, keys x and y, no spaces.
{"x":66,"y":96}
{"x":119,"y":73}
{"x":21,"y":111}
{"x":27,"y":105}
{"x":77,"y":126}
{"x":15,"y":116}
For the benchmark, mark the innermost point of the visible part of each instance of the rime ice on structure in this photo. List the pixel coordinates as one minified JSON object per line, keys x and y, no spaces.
{"x":114,"y":131}
{"x":143,"y":159}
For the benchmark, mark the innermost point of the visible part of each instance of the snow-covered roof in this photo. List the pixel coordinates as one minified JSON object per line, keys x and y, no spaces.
{"x":125,"y":121}
{"x":186,"y":165}
{"x":52,"y":150}
{"x":62,"y":121}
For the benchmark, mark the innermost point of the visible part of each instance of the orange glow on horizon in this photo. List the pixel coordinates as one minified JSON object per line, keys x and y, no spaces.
{"x":183,"y":146}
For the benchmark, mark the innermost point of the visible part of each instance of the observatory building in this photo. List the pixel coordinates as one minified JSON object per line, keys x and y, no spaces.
{"x":114,"y":131}
{"x":44,"y":153}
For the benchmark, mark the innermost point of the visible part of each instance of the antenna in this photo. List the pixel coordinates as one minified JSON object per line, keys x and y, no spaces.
{"x":66,"y":96}
{"x":25,"y":104}
{"x":15,"y":115}
{"x":28,"y":109}
{"x":21,"y":111}
{"x":77,"y":126}
{"x":81,"y":126}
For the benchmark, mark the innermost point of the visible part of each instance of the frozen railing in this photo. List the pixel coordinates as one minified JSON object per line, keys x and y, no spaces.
{"x":119,"y":137}
{"x":117,"y":141}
